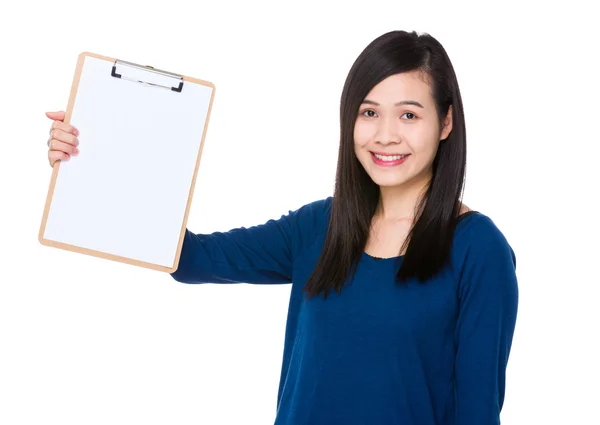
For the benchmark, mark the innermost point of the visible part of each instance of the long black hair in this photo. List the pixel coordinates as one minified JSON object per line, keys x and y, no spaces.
{"x":356,"y":195}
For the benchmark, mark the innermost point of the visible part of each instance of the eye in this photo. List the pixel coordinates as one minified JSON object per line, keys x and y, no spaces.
{"x":369,"y":113}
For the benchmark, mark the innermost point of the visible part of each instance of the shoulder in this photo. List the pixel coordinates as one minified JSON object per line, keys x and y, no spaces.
{"x":479,"y":228}
{"x":308,"y":222}
{"x":479,"y":238}
{"x":317,"y":207}
{"x":485,"y":265}
{"x":313,"y":215}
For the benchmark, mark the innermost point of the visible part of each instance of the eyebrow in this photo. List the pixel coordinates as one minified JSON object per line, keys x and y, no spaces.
{"x":402,"y":102}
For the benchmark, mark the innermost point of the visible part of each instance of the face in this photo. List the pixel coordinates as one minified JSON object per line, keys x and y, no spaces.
{"x":397,"y":133}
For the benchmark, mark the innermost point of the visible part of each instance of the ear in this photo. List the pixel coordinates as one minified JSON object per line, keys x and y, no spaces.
{"x":447,"y":126}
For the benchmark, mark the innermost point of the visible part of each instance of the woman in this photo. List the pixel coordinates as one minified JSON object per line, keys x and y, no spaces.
{"x":379,"y":330}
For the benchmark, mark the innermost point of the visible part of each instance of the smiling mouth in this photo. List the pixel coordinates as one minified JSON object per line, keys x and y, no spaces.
{"x":389,"y":158}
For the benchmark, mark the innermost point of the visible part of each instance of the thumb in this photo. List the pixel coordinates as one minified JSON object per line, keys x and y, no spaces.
{"x":58,"y":115}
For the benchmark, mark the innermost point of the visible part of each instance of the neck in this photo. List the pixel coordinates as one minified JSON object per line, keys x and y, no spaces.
{"x":400,"y":202}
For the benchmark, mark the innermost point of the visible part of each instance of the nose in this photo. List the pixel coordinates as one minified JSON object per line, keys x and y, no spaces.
{"x":388,"y":131}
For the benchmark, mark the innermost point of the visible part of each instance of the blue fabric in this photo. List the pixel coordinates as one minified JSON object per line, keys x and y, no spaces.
{"x":380,"y":352}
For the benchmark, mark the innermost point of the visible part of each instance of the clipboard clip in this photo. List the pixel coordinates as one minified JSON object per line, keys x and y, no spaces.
{"x":149,"y":69}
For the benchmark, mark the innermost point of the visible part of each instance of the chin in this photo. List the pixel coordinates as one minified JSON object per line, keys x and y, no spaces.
{"x":388,"y":181}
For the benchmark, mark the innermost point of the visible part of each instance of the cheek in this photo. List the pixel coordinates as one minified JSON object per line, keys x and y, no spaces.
{"x":361,"y":135}
{"x":424,"y":143}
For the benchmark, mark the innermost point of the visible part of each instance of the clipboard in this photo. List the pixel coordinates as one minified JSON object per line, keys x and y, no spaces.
{"x":127,"y":195}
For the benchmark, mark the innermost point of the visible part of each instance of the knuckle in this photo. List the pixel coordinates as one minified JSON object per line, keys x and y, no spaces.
{"x":55,"y":145}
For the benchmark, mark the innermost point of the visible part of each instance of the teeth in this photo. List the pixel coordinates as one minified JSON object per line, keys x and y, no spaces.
{"x":389,"y":158}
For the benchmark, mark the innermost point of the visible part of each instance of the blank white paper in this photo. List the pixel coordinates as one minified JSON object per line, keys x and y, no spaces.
{"x":127,"y":191}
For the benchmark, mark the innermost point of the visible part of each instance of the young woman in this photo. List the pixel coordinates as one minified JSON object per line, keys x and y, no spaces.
{"x":403,"y":300}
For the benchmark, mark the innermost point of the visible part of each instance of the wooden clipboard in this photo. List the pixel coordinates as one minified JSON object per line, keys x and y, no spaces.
{"x":127,"y":195}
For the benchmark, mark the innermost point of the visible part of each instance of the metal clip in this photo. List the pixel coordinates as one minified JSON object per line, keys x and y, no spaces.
{"x":149,"y":69}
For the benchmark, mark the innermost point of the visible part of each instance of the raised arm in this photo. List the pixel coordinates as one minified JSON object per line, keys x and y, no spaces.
{"x":261,"y":254}
{"x":488,"y":295}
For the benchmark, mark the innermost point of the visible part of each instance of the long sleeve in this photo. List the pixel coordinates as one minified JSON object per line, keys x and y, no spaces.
{"x":488,"y":299}
{"x":261,"y":254}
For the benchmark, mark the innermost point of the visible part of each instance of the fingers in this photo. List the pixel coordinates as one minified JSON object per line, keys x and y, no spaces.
{"x":63,"y":141}
{"x":59,"y":125}
{"x":57,"y":145}
{"x":58,"y":115}
{"x":54,"y":156}
{"x":62,"y":136}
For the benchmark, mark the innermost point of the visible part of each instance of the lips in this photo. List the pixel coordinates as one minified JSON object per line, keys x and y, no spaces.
{"x":390,"y":157}
{"x":388,"y":160}
{"x":388,"y":153}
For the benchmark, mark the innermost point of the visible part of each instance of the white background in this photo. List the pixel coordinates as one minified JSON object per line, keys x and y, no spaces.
{"x":85,"y":340}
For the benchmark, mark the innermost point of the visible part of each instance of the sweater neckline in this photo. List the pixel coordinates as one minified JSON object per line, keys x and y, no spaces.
{"x":400,"y":257}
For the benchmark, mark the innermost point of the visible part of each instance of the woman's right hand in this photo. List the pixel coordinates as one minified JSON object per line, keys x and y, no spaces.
{"x":63,"y":140}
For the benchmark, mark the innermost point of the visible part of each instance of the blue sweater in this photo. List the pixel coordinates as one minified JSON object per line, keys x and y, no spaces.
{"x":380,"y":353}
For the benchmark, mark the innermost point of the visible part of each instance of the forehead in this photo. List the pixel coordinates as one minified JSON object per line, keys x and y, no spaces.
{"x":405,"y":86}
